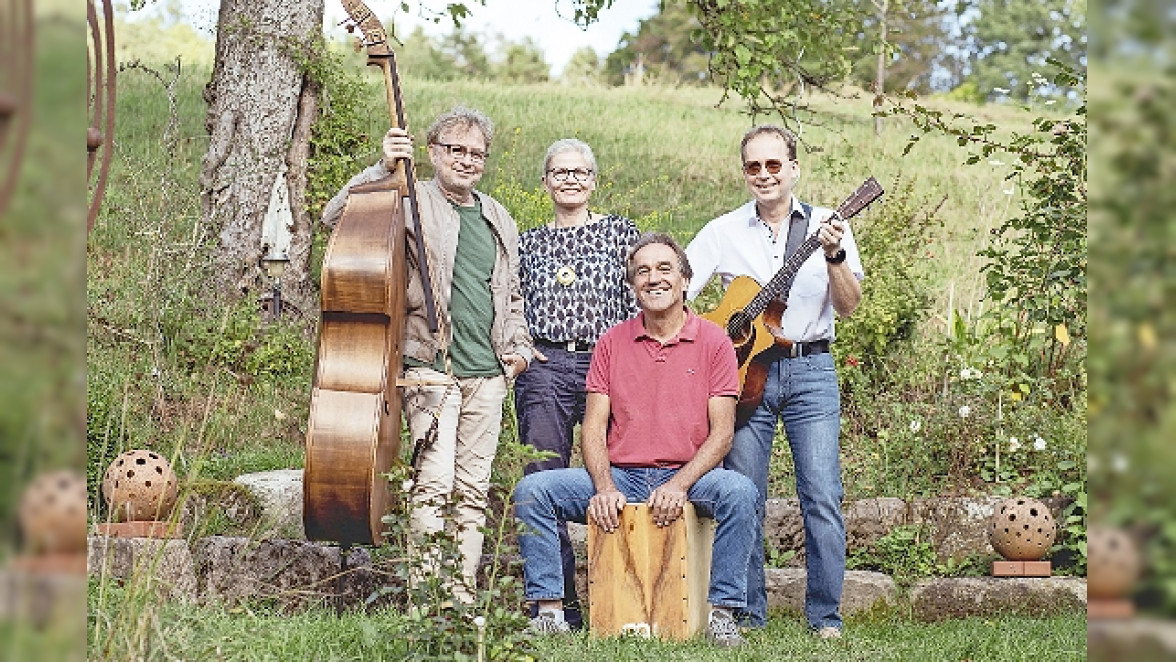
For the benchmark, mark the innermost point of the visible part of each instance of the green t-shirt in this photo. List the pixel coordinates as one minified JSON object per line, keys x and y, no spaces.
{"x":471,"y":306}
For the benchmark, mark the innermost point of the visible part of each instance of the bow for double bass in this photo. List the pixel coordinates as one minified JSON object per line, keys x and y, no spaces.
{"x":751,"y":314}
{"x":353,"y":435}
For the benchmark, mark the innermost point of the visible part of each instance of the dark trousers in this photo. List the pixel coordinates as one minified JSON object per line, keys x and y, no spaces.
{"x":549,"y":401}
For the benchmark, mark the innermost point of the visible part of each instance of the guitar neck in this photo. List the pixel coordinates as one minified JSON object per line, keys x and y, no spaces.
{"x":782,"y":281}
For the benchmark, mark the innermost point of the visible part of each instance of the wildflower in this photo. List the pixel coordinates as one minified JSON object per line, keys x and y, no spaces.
{"x":965,"y":411}
{"x":916,"y":425}
{"x":995,"y":162}
{"x":1038,"y":444}
{"x":969,"y":373}
{"x":1000,"y":90}
{"x":851,"y":360}
{"x":1050,"y":102}
{"x":279,"y":415}
{"x":1010,"y":190}
{"x":1014,"y":445}
{"x":406,"y":486}
{"x":1119,"y":463}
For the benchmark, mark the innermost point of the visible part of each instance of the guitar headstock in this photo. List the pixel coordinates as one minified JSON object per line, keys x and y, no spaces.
{"x":868,"y":192}
{"x":375,"y":39}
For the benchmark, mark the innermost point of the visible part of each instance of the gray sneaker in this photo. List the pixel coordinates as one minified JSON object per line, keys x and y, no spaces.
{"x":722,"y":630}
{"x":547,"y":622}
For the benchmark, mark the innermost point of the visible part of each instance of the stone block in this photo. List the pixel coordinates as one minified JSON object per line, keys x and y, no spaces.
{"x":296,"y":573}
{"x":166,"y":564}
{"x":862,"y":590}
{"x":42,"y":598}
{"x":963,"y":597}
{"x":280,"y":495}
{"x":1136,"y":639}
{"x":867,"y":520}
{"x":784,"y":528}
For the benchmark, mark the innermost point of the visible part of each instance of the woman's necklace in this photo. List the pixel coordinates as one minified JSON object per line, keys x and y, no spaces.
{"x":566,"y":275}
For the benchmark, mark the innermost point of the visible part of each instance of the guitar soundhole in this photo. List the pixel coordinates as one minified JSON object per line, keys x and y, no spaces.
{"x":739,"y":327}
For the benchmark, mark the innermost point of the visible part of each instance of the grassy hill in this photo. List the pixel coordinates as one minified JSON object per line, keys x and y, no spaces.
{"x":171,"y":369}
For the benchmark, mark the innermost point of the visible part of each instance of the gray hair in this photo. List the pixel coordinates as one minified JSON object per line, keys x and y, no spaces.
{"x":657,"y":238}
{"x":461,"y":116}
{"x":569,"y":145}
{"x":769,"y":129}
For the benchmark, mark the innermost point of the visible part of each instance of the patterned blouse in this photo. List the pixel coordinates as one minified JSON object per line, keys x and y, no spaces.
{"x":573,"y":279}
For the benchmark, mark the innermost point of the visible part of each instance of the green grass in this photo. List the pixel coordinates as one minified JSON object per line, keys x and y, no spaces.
{"x":262,"y":633}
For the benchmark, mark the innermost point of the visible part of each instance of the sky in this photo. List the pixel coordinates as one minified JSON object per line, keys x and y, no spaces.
{"x":515,"y":19}
{"x":541,"y":20}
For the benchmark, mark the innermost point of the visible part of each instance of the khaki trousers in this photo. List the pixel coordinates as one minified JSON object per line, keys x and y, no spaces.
{"x":456,"y":465}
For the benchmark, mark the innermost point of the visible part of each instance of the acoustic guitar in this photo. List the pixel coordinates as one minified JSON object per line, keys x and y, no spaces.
{"x":353,"y":435}
{"x":751,"y":313}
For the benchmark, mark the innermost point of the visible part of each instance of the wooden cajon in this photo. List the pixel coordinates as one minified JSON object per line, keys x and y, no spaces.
{"x":649,"y":580}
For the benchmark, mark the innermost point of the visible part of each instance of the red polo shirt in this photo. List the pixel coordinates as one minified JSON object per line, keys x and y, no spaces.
{"x":658,"y":392}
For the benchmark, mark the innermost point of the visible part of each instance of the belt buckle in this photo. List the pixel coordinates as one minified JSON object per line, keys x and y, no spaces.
{"x":571,"y":346}
{"x":796,"y":350}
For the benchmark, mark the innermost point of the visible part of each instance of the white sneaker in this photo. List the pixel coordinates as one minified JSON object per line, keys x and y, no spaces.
{"x":828,"y":632}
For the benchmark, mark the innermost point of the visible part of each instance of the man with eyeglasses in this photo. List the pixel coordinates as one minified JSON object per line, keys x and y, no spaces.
{"x":801,"y":387}
{"x":457,"y":376}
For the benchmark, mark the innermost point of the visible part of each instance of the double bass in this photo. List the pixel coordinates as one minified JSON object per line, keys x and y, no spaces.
{"x":353,"y":435}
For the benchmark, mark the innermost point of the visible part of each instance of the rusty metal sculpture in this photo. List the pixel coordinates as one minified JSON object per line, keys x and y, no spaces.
{"x":16,"y":86}
{"x":101,"y":69}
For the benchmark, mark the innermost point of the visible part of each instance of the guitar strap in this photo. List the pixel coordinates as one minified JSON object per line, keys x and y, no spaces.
{"x":797,"y":230}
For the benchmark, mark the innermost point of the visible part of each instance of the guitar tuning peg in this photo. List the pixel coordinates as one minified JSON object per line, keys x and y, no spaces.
{"x":357,"y":44}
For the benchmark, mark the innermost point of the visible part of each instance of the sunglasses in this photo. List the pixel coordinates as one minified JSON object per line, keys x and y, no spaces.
{"x":752,"y":168}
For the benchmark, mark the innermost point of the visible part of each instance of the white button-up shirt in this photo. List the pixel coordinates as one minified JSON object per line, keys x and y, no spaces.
{"x":740,"y":244}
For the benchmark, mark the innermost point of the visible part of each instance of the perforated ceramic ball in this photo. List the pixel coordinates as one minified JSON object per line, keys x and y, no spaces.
{"x":1022,"y":529}
{"x":53,"y":514}
{"x":1113,"y":564}
{"x":139,"y":486}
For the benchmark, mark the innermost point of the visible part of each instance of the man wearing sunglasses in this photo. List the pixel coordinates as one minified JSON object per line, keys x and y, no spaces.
{"x":801,"y":386}
{"x":457,"y":376}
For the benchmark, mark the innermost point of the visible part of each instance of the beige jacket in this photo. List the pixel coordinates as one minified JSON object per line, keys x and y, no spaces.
{"x":509,"y":333}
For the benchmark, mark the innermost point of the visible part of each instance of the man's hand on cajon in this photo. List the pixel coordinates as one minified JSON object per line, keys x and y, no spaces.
{"x":666,"y":503}
{"x":603,"y":508}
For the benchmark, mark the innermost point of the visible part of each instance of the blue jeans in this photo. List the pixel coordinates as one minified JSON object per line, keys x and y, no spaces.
{"x":802,"y":392}
{"x":549,"y":401}
{"x":543,"y":499}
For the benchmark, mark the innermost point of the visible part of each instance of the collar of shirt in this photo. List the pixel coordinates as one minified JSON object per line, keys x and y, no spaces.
{"x":687,"y":333}
{"x":755,"y":217}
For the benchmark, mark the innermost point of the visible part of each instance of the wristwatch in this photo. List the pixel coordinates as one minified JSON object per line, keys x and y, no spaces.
{"x":837,"y":258}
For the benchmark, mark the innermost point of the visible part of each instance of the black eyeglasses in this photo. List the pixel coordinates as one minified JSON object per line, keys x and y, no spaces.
{"x":752,"y":168}
{"x":579,"y":174}
{"x":461,"y":151}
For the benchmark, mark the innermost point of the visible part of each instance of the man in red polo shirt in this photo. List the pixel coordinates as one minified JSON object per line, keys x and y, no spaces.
{"x":659,"y":418}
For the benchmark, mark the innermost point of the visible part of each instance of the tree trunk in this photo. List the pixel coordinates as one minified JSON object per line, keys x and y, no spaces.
{"x":260,"y":108}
